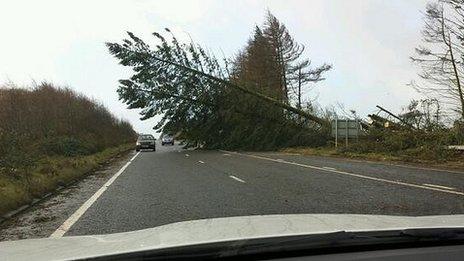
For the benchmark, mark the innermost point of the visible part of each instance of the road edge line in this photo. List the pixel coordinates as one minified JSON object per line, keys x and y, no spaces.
{"x":352,"y":174}
{"x":438,"y":186}
{"x":61,"y":230}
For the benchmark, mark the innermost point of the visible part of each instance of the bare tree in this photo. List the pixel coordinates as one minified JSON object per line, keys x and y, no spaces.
{"x":441,"y":60}
{"x":423,"y":114}
{"x":304,"y":74}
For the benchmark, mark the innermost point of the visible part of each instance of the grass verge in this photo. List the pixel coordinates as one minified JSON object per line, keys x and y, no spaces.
{"x":19,"y":188}
{"x":454,"y":162}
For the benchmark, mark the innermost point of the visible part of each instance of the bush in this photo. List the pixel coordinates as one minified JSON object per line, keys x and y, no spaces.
{"x":410,"y":145}
{"x":51,"y":121}
{"x":431,"y":153}
{"x":13,"y":154}
{"x":66,"y":146}
{"x":457,"y":133}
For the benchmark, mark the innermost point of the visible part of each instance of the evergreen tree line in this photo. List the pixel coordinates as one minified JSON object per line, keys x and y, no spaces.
{"x":254,"y":100}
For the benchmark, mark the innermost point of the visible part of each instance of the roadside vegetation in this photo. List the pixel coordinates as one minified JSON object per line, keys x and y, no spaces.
{"x":258,"y":99}
{"x":50,"y":136}
{"x":252,"y":101}
{"x":425,"y":128}
{"x":422,"y":136}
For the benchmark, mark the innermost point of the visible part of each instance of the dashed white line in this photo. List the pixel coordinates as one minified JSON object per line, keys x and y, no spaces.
{"x":438,"y":186}
{"x":186,"y":155}
{"x":355,"y":175}
{"x":201,"y":162}
{"x":329,"y":168}
{"x":79,"y":212}
{"x":226,"y":154}
{"x":237,"y":179}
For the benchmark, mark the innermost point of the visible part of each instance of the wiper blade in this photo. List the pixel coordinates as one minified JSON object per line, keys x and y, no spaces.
{"x":434,"y":233}
{"x":342,"y":239}
{"x":383,"y":236}
{"x":310,"y":244}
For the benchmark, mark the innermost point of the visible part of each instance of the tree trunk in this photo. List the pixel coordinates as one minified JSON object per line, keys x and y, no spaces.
{"x":453,"y":63}
{"x":299,"y":88}
{"x":458,"y":81}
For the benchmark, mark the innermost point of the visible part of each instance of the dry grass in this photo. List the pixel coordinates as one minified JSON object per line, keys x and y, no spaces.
{"x":49,"y":173}
{"x":453,"y":163}
{"x":50,"y":136}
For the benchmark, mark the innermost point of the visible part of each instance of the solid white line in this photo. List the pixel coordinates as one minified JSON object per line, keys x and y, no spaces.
{"x":375,"y":162}
{"x":353,"y":174}
{"x":422,"y":168}
{"x":201,"y":162}
{"x":396,"y":165}
{"x":438,"y":186}
{"x":79,"y":212}
{"x":237,"y":179}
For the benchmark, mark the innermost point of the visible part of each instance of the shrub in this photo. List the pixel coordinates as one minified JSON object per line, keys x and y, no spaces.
{"x":66,"y":146}
{"x":48,"y":120}
{"x":411,"y":145}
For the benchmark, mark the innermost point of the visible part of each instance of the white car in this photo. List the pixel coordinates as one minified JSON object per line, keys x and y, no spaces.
{"x":167,"y":139}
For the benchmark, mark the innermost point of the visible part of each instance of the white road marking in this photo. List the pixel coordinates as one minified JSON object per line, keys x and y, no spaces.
{"x":424,"y":168}
{"x":82,"y":209}
{"x":201,"y":162}
{"x":226,"y":154}
{"x":186,"y":155}
{"x":354,"y":174}
{"x":237,"y":179}
{"x":400,"y":165}
{"x":438,"y":186}
{"x":378,"y":162}
{"x":329,"y":168}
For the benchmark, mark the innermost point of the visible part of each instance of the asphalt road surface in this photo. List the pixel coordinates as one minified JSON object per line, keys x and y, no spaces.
{"x":172,"y":185}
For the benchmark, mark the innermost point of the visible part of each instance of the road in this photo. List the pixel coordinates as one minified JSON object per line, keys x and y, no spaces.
{"x":172,"y":185}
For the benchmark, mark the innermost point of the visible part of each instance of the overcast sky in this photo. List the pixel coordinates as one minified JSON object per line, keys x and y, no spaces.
{"x":368,"y":43}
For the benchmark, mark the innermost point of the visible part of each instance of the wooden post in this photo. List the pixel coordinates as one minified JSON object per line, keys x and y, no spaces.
{"x":336,"y":131}
{"x":346,"y":132}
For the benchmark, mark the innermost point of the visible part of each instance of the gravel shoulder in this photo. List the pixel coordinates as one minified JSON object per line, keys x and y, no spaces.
{"x":45,"y":217}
